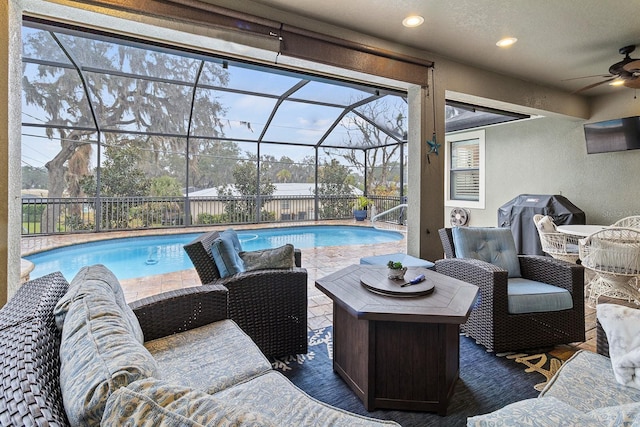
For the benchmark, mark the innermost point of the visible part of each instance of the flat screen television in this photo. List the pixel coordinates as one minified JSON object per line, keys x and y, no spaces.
{"x":613,"y":135}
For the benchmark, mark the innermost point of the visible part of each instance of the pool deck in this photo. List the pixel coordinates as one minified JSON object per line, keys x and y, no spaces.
{"x":318,"y":262}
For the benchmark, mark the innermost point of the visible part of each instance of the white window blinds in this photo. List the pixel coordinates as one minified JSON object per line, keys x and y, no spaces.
{"x":465,"y":170}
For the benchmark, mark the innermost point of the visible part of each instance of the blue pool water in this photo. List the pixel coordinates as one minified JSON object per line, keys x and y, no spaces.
{"x":141,"y":256}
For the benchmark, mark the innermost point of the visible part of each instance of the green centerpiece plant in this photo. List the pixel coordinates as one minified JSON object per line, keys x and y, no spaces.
{"x":395,"y":270}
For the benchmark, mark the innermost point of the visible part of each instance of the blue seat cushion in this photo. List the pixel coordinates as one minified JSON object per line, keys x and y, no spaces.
{"x":406,"y":260}
{"x":493,"y":245}
{"x":529,"y":296}
{"x":225,"y":256}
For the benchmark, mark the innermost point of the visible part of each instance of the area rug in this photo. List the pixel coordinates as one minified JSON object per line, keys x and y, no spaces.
{"x":487,"y":381}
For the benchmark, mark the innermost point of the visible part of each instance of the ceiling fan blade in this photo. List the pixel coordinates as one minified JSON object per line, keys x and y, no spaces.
{"x":632,"y":83}
{"x":602,"y":76}
{"x":591,"y":86}
{"x":632,"y":66}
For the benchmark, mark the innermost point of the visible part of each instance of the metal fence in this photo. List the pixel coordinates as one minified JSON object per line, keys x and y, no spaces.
{"x":66,"y":215}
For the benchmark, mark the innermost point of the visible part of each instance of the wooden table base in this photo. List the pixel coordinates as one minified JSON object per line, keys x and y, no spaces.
{"x":398,"y":352}
{"x":397,"y":365}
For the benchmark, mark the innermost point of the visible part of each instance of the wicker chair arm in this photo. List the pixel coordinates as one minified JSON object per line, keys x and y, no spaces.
{"x":554,"y":272}
{"x":491,"y":279}
{"x":557,"y":242}
{"x":284,"y":275}
{"x":180,"y":310}
{"x":271,"y":307}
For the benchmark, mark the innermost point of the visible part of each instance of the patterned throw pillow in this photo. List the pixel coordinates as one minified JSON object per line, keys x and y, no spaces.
{"x":282,"y":257}
{"x":98,"y":355}
{"x":96,"y":279}
{"x":152,"y":402}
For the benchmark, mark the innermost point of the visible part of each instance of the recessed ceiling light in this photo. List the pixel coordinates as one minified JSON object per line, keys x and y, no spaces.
{"x":617,"y":82}
{"x":506,"y":42}
{"x":413,"y":21}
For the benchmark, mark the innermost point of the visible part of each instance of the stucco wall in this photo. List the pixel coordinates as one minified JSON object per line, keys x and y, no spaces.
{"x":548,"y":156}
{"x":4,"y":144}
{"x":10,"y":77}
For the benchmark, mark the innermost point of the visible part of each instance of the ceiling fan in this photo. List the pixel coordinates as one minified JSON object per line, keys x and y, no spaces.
{"x":627,"y":70}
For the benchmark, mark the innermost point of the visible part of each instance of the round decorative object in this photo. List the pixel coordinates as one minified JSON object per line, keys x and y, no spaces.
{"x":377,"y":282}
{"x":396,"y":273}
{"x":459,"y":217}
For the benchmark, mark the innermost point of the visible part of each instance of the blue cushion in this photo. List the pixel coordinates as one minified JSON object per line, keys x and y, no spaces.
{"x":493,"y":245}
{"x":529,"y":296}
{"x":226,"y":257}
{"x":230,"y":232}
{"x":406,"y":260}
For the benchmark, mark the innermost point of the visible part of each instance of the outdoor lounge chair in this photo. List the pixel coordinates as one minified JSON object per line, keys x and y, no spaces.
{"x":269,"y":305}
{"x":494,"y":321}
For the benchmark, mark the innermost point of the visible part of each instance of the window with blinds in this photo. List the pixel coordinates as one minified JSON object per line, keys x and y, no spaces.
{"x":465,"y":170}
{"x":465,"y":174}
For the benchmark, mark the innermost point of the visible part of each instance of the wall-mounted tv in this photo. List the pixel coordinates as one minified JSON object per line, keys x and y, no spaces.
{"x":613,"y":135}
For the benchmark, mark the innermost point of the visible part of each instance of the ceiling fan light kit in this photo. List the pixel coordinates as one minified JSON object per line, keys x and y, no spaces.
{"x":506,"y":42}
{"x":624,"y":73}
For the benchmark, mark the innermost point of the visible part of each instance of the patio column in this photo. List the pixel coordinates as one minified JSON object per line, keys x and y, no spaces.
{"x":425,"y":194}
{"x":10,"y":176}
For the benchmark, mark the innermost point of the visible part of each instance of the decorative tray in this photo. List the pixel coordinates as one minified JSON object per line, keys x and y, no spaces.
{"x":378,"y":282}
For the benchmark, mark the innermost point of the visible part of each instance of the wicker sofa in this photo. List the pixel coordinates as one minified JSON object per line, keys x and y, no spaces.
{"x":205,"y":369}
{"x":583,"y":393}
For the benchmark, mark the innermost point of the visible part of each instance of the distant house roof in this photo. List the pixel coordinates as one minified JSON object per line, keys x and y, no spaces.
{"x":282,"y":189}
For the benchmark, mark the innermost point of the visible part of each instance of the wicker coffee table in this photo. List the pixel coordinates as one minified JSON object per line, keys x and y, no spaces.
{"x":398,"y":352}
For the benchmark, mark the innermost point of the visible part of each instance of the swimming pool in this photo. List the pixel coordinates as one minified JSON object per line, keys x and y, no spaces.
{"x":141,"y":256}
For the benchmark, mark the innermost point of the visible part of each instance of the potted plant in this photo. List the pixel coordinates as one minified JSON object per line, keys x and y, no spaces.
{"x":360,"y":211}
{"x":395,"y":270}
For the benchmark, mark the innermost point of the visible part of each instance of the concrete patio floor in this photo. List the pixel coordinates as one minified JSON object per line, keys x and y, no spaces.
{"x":318,"y":262}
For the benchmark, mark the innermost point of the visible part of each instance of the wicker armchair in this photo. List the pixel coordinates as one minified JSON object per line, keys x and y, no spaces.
{"x":613,"y":255}
{"x":269,"y":305}
{"x":559,"y":245}
{"x":628,"y":222}
{"x":492,"y":325}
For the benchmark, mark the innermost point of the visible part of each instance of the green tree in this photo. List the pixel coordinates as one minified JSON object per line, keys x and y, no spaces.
{"x":334,"y":190}
{"x":165,"y":186}
{"x":241,"y":196}
{"x":152,"y":98}
{"x":283,"y":175}
{"x":302,"y":171}
{"x":122,"y":186}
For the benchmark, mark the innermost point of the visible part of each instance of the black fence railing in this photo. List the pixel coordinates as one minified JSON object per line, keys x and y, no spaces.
{"x":76,"y":214}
